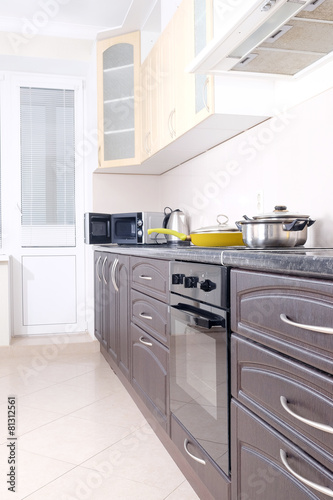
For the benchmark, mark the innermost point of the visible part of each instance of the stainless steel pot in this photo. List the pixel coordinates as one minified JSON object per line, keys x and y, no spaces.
{"x":277,"y":229}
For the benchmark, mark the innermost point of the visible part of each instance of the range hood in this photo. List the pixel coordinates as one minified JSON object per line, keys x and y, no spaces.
{"x":281,"y":37}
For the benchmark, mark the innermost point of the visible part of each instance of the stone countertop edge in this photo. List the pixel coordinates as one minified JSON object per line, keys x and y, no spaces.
{"x":317,"y":263}
{"x":311,"y":263}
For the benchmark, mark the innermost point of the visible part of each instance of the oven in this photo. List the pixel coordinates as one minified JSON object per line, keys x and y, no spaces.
{"x":199,"y":356}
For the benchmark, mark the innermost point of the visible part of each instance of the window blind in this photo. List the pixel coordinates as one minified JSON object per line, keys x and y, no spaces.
{"x":47,"y":167}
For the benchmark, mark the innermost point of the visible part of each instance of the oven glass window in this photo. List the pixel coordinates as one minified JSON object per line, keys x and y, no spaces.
{"x":125,"y":228}
{"x":199,"y":385}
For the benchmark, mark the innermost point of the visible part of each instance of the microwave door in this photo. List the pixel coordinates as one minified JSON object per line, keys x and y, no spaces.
{"x":97,"y":229}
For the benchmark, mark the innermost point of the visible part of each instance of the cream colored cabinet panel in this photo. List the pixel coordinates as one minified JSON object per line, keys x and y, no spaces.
{"x":167,"y":85}
{"x":149,"y":99}
{"x":118,"y":72}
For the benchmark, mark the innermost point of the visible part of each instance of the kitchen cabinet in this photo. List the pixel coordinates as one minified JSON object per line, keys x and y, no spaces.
{"x":112,"y":306}
{"x":150,"y":335}
{"x":118,"y":72}
{"x":282,"y":386}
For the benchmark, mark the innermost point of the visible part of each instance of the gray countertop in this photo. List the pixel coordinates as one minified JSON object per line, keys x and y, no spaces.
{"x":302,"y":261}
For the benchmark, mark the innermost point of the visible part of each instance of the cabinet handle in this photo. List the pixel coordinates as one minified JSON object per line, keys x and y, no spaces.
{"x":113,"y":274}
{"x":145,"y":342}
{"x":103,"y":275}
{"x":322,"y":427}
{"x":317,"y":487}
{"x":197,"y":459}
{"x":205,"y":87}
{"x":319,"y":329}
{"x":97,"y":264}
{"x":172,"y":130}
{"x":145,"y":316}
{"x":143,"y":277}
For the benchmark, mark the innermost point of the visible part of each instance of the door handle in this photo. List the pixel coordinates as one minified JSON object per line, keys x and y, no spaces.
{"x":103,"y":265}
{"x":97,"y":264}
{"x":315,"y":486}
{"x":318,"y":329}
{"x":316,"y":425}
{"x":113,"y":274}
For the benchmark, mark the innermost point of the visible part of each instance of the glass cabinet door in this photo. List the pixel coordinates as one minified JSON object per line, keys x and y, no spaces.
{"x":118,"y":80}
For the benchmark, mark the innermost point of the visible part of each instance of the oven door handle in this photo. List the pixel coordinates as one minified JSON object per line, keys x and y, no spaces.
{"x":199,"y":317}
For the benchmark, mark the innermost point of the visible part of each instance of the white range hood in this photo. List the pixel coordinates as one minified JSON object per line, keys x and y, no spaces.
{"x":267,"y":36}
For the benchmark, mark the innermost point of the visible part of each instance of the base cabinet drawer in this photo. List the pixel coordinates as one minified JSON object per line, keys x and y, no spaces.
{"x":151,"y":276}
{"x":282,"y":391}
{"x":215,"y":480}
{"x":149,"y":373}
{"x":151,"y":315}
{"x":291,"y":315}
{"x":267,"y":466}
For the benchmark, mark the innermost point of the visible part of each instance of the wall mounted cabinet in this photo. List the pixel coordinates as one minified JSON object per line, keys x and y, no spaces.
{"x":118,"y":72}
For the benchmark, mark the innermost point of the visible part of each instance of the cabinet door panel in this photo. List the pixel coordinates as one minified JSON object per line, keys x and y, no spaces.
{"x":149,"y":373}
{"x":258,"y":470}
{"x":151,"y":315}
{"x":261,"y":377}
{"x":123,"y":309}
{"x":260,"y":299}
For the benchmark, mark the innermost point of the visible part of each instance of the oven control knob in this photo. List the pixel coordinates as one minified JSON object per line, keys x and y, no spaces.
{"x":207,"y":285}
{"x":139,"y":222}
{"x":177,"y":279}
{"x":191,"y":281}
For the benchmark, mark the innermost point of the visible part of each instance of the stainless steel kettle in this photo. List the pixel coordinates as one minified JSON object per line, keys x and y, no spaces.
{"x":175,"y":220}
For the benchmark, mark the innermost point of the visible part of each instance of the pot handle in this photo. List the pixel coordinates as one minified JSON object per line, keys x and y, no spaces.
{"x":162,"y":230}
{"x":239,"y":225}
{"x":298,"y":225}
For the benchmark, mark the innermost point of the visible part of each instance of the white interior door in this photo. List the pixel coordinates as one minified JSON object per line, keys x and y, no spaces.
{"x":48,"y":285}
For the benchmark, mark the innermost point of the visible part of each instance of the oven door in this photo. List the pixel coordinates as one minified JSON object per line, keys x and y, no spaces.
{"x":199,"y":374}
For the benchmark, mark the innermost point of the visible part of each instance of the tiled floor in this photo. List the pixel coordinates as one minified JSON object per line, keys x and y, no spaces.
{"x":79,"y":434}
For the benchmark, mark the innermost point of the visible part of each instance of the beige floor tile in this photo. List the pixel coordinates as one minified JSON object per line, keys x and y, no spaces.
{"x":83,"y":484}
{"x":27,"y":419}
{"x":71,"y":439}
{"x":183,"y":492}
{"x":142,"y":458}
{"x":117,"y":409}
{"x":32,"y":472}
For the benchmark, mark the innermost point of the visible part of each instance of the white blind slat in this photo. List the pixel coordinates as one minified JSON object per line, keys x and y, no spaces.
{"x":47,"y":167}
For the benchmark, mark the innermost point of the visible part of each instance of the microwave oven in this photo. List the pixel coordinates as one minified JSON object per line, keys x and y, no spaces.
{"x":123,"y":228}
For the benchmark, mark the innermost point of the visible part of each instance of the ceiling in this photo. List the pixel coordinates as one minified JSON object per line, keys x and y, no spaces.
{"x":73,"y":18}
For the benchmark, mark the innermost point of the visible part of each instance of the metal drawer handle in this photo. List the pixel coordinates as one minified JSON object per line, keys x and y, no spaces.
{"x":317,"y":487}
{"x":145,"y":316}
{"x":113,"y":274}
{"x":148,"y":278}
{"x":145,"y":342}
{"x":200,"y":460}
{"x":319,"y":329}
{"x":322,"y":427}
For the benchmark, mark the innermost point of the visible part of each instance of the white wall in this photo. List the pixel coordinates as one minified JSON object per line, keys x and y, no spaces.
{"x":289,"y":159}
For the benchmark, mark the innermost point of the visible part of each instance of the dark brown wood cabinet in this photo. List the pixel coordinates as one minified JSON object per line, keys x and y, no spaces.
{"x":112,"y":307}
{"x":282,"y":387}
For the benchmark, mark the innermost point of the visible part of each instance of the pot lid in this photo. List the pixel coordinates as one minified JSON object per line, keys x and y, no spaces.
{"x":222,"y":226}
{"x":280,"y":212}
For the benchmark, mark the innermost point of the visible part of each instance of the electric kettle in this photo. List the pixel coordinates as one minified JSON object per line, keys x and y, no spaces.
{"x":175,"y":220}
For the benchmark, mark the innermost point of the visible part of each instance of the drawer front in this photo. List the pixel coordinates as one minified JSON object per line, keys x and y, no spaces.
{"x":268,"y":382}
{"x":149,"y":375}
{"x":151,"y":277}
{"x":259,"y":459}
{"x":284,"y":313}
{"x":151,"y":315}
{"x":217,"y":483}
